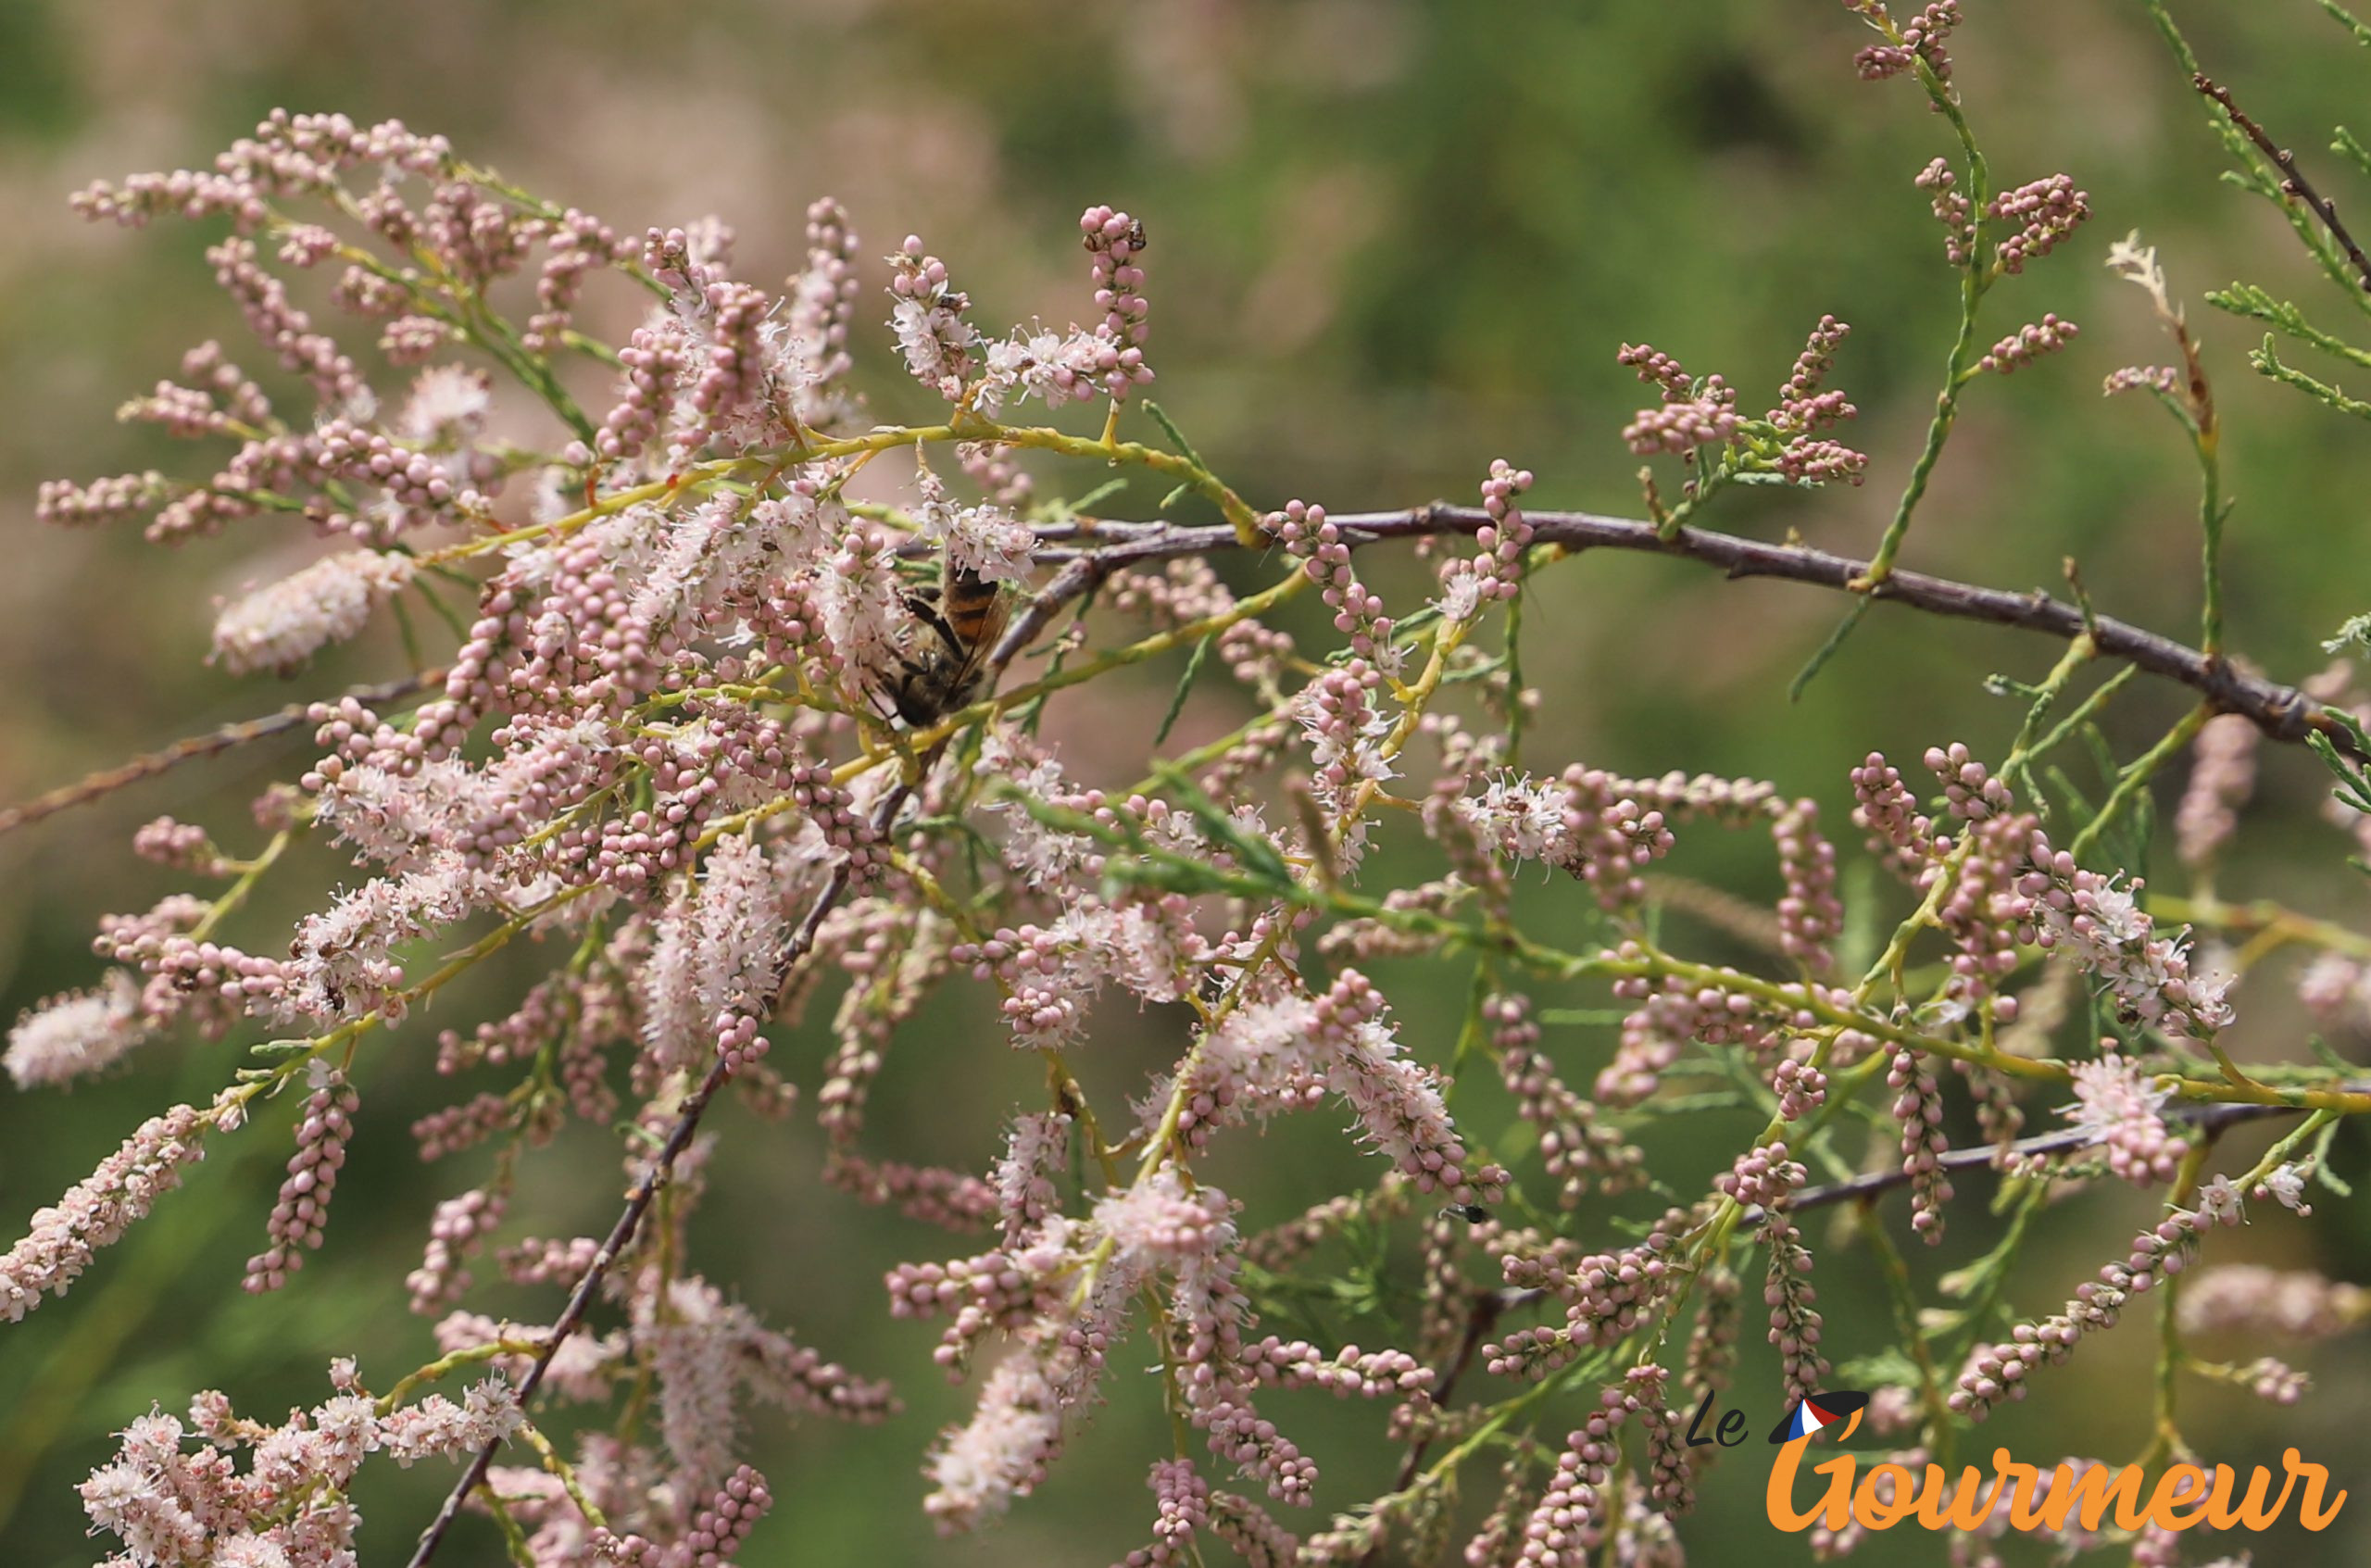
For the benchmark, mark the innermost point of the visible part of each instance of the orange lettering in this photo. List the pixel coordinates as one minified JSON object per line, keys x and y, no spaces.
{"x":1941,"y":1508}
{"x":1778,"y":1497}
{"x":2310,"y":1511}
{"x":1900,"y":1499}
{"x":2089,"y":1496}
{"x":2186,"y":1496}
{"x":2169,"y":1505}
{"x":2023,"y":1515}
{"x":2251,"y":1514}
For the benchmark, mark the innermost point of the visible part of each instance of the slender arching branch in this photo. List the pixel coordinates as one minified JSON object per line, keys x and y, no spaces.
{"x":1088,"y":555}
{"x":2282,"y":712}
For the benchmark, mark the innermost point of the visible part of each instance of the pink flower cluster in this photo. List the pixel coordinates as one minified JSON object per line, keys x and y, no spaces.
{"x":1998,"y":1372}
{"x":169,"y":1507}
{"x":1784,"y":442}
{"x":719,"y":735}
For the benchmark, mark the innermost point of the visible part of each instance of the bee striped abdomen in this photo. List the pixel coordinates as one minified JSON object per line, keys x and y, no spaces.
{"x":972,"y":608}
{"x":947,"y":665}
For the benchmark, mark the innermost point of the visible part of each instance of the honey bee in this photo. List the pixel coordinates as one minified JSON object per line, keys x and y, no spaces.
{"x":945,"y":667}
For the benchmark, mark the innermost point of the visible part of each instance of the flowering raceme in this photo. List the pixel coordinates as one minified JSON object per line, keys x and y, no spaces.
{"x":735,"y":726}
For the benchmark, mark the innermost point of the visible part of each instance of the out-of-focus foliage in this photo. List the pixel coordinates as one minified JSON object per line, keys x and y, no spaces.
{"x":1391,"y":241}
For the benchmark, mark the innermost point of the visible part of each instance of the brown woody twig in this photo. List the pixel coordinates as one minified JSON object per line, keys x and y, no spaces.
{"x":2293,"y":178}
{"x":107,"y":780}
{"x":645,"y":1191}
{"x":2282,"y":712}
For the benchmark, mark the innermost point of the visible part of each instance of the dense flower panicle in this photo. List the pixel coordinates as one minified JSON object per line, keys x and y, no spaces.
{"x":182,"y":846}
{"x":1034,"y":1152}
{"x":822,"y":307}
{"x":1471,"y":583}
{"x":1181,"y":1501}
{"x":2115,"y":1105}
{"x":663,"y":750}
{"x":1918,"y":1107}
{"x":986,"y":541}
{"x":723,"y":1522}
{"x":1762,"y":1177}
{"x":1920,"y":39}
{"x":281,"y":626}
{"x":1709,"y":418}
{"x":937,"y":342}
{"x":1285,"y":1054}
{"x":1605,"y":1295}
{"x":1572,"y":1521}
{"x":97,"y":1210}
{"x":2028,"y":344}
{"x":2047,"y":211}
{"x":1897,"y":831}
{"x":711,"y":972}
{"x":303,"y":1207}
{"x":2102,"y":928}
{"x":2163,"y":380}
{"x":1358,"y":610}
{"x":650,"y":362}
{"x":437,"y":1428}
{"x":1003,"y":1451}
{"x":707,"y":1353}
{"x":1802,"y":406}
{"x":731,"y":359}
{"x":254,"y":1494}
{"x":1051,"y":974}
{"x":2221,"y":776}
{"x":1801,"y":1087}
{"x":459,"y":1231}
{"x":1700,"y":414}
{"x":112,"y":499}
{"x":342,"y":964}
{"x":2250,"y":1299}
{"x":1998,"y":1372}
{"x":1578,"y":1147}
{"x":1795,"y":1325}
{"x":1590,"y":825}
{"x":1952,"y":210}
{"x":1115,"y":239}
{"x":67,"y":1037}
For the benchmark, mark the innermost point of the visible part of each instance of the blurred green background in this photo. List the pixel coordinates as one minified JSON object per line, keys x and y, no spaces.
{"x":1390,"y":241}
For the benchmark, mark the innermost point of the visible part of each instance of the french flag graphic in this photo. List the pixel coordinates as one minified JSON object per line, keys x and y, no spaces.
{"x":1817,"y":1413}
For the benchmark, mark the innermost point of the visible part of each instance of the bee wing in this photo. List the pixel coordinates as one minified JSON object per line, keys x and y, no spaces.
{"x":971,"y":658}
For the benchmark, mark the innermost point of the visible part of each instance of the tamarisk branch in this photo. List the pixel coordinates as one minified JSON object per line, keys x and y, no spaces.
{"x":645,"y":1191}
{"x":2282,"y":712}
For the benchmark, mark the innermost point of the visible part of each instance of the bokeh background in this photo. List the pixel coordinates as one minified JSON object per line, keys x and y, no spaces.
{"x":1391,"y":241}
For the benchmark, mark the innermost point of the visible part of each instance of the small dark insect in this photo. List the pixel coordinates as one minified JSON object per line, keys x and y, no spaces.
{"x":1134,"y":237}
{"x":1472,"y":1214}
{"x":945,"y":667}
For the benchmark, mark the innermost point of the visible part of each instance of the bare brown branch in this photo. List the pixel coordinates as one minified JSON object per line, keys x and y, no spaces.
{"x":212,"y":743}
{"x":639,"y":1197}
{"x":2293,"y":178}
{"x":2282,"y":712}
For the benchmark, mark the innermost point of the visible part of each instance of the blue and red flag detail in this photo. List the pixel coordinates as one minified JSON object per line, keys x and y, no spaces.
{"x":1816,"y":1413}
